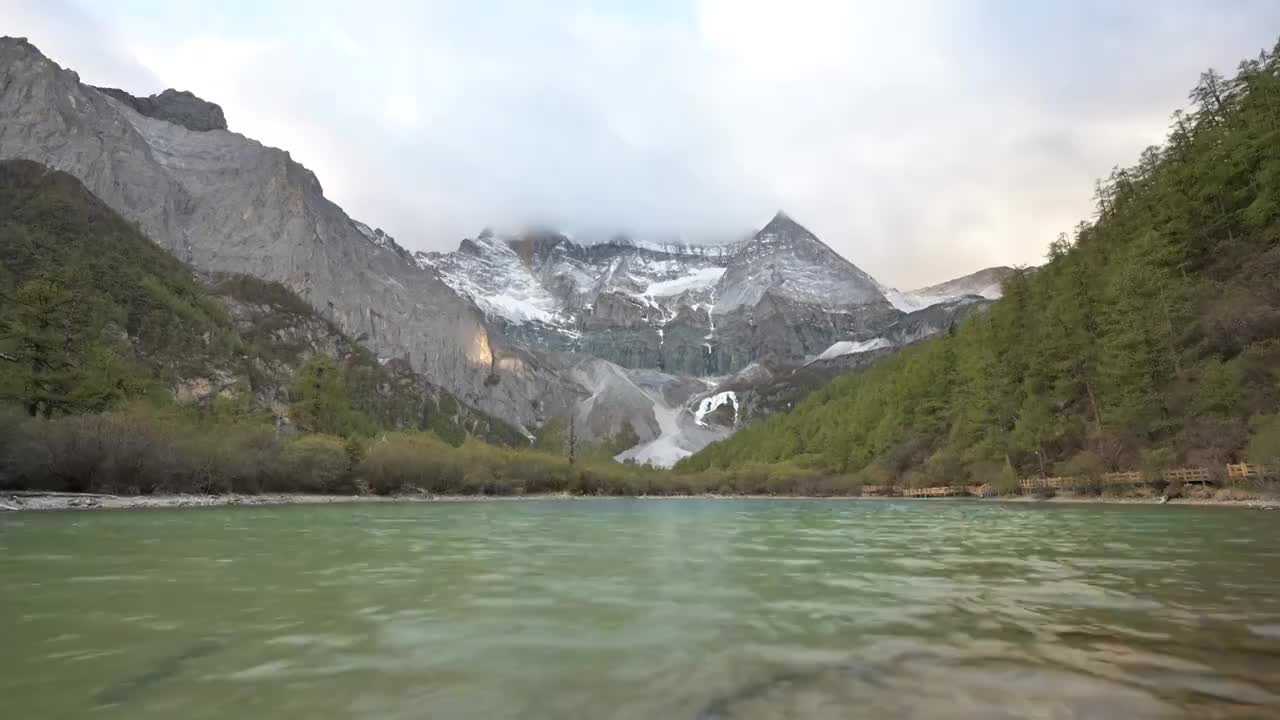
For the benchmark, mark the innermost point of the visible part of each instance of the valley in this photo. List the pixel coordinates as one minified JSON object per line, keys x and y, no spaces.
{"x":763,"y":358}
{"x":533,"y":328}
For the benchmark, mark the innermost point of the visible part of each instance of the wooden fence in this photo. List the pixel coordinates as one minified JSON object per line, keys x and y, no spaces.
{"x":1246,"y":471}
{"x":1128,"y":477}
{"x":1051,"y":482}
{"x":1201,"y":475}
{"x":1188,"y":475}
{"x":942,"y":491}
{"x":983,"y":490}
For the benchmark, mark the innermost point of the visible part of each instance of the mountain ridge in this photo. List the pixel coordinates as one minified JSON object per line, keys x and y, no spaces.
{"x":660,"y":307}
{"x":489,"y":322}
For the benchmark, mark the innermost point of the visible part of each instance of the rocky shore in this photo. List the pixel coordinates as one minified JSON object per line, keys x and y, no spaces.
{"x":52,"y":501}
{"x":89,"y":501}
{"x":1249,"y":502}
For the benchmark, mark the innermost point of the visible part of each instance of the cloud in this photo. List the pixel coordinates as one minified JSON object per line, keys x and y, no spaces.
{"x":920,"y":139}
{"x":62,"y":29}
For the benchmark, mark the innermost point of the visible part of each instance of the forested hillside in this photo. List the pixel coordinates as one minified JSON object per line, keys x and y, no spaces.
{"x":93,"y":315}
{"x":1150,"y":338}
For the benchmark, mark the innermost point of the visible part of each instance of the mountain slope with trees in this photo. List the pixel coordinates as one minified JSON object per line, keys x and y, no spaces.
{"x":93,"y":315}
{"x":1150,"y":338}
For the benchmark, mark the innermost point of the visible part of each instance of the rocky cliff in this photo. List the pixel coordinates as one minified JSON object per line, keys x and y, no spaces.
{"x":176,"y":106}
{"x":225,"y":203}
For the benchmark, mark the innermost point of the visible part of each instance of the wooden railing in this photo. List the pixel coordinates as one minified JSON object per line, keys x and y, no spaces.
{"x":1247,"y":471}
{"x":1128,"y":477}
{"x":1191,"y":475}
{"x":942,"y":491}
{"x":1051,"y":482}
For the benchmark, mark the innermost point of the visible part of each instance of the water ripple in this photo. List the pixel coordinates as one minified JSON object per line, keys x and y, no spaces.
{"x":633,"y":609}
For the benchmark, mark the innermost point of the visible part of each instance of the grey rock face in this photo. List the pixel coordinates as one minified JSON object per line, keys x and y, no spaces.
{"x":225,"y":203}
{"x":779,"y":330}
{"x":176,"y":106}
{"x":637,"y":306}
{"x":933,"y":320}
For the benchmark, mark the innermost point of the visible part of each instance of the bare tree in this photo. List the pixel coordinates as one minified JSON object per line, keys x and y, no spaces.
{"x":573,"y":435}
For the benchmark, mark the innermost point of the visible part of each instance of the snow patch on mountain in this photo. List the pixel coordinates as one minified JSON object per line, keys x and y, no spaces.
{"x":664,"y":450}
{"x":517,"y":310}
{"x":700,"y":279}
{"x":988,"y":284}
{"x":906,"y":302}
{"x":851,"y":347}
{"x":489,"y":272}
{"x":679,"y":435}
{"x":913,"y":301}
{"x":709,"y":405}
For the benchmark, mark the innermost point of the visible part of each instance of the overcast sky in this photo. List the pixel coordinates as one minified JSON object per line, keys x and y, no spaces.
{"x":922,"y":140}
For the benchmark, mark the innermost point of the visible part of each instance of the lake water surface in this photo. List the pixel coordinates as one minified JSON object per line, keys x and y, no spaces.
{"x":711,"y":609}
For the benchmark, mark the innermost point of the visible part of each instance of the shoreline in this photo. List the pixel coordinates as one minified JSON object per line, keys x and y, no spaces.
{"x":35,"y":501}
{"x":1254,"y":503}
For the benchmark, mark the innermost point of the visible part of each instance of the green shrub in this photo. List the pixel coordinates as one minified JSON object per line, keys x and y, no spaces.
{"x":316,"y":464}
{"x":1084,"y":464}
{"x":1264,"y":441}
{"x":1154,"y":461}
{"x":402,"y":462}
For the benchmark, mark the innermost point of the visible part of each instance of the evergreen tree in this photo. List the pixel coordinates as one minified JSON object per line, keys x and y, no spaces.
{"x":42,"y":327}
{"x":319,"y":400}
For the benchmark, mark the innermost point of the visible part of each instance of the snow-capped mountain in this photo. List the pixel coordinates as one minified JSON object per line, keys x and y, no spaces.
{"x":671,"y":343}
{"x":781,"y":296}
{"x":682,"y":343}
{"x":548,"y":290}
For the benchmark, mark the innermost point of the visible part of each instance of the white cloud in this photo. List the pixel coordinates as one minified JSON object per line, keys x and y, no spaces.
{"x":402,"y":110}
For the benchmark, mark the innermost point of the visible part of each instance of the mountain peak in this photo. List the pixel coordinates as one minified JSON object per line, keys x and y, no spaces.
{"x":786,"y":260}
{"x":180,"y":107}
{"x":21,"y":43}
{"x":782,"y":223}
{"x":785,"y":229}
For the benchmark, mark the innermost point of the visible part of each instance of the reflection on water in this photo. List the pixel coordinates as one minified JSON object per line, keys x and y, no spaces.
{"x":711,"y":609}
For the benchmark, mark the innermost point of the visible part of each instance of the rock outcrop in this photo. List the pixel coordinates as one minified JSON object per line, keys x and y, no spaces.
{"x":179,"y":107}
